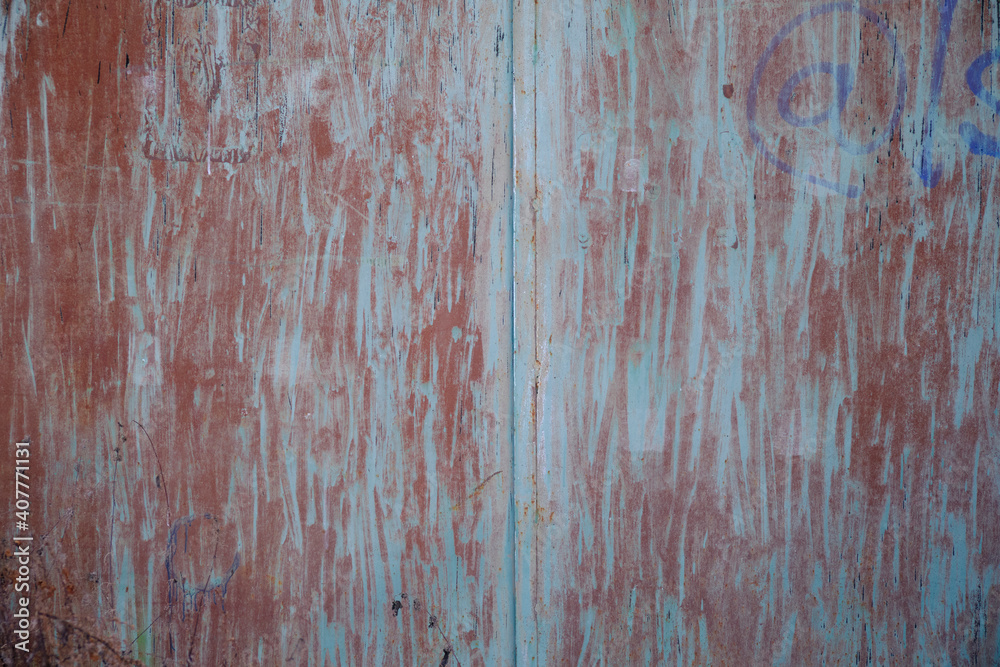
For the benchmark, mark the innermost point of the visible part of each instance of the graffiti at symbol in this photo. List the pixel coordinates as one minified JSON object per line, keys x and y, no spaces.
{"x":843,"y":79}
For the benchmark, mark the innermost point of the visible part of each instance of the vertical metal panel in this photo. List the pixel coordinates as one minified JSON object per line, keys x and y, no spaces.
{"x":767,"y":333}
{"x":256,"y":324}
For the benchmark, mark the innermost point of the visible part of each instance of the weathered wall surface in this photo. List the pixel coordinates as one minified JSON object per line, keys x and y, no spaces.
{"x":473,"y":333}
{"x":256,"y":324}
{"x":768,"y":240}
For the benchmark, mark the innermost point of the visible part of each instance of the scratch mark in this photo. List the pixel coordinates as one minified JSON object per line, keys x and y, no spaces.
{"x":476,"y":491}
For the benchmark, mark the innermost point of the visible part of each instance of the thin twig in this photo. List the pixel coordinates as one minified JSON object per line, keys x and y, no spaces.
{"x":160,"y":468}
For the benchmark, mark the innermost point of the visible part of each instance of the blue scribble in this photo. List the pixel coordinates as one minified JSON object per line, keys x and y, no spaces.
{"x":930,"y":173}
{"x":188,"y":590}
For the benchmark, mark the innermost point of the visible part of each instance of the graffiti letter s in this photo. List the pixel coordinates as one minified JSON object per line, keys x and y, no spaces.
{"x":979,"y":142}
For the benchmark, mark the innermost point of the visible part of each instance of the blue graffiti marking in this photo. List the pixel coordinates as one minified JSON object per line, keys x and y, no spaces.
{"x":979,"y":142}
{"x":930,"y":173}
{"x":190,"y":590}
{"x":844,"y":81}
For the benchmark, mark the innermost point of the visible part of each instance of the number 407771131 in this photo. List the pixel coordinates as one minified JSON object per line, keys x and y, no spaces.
{"x":22,"y":455}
